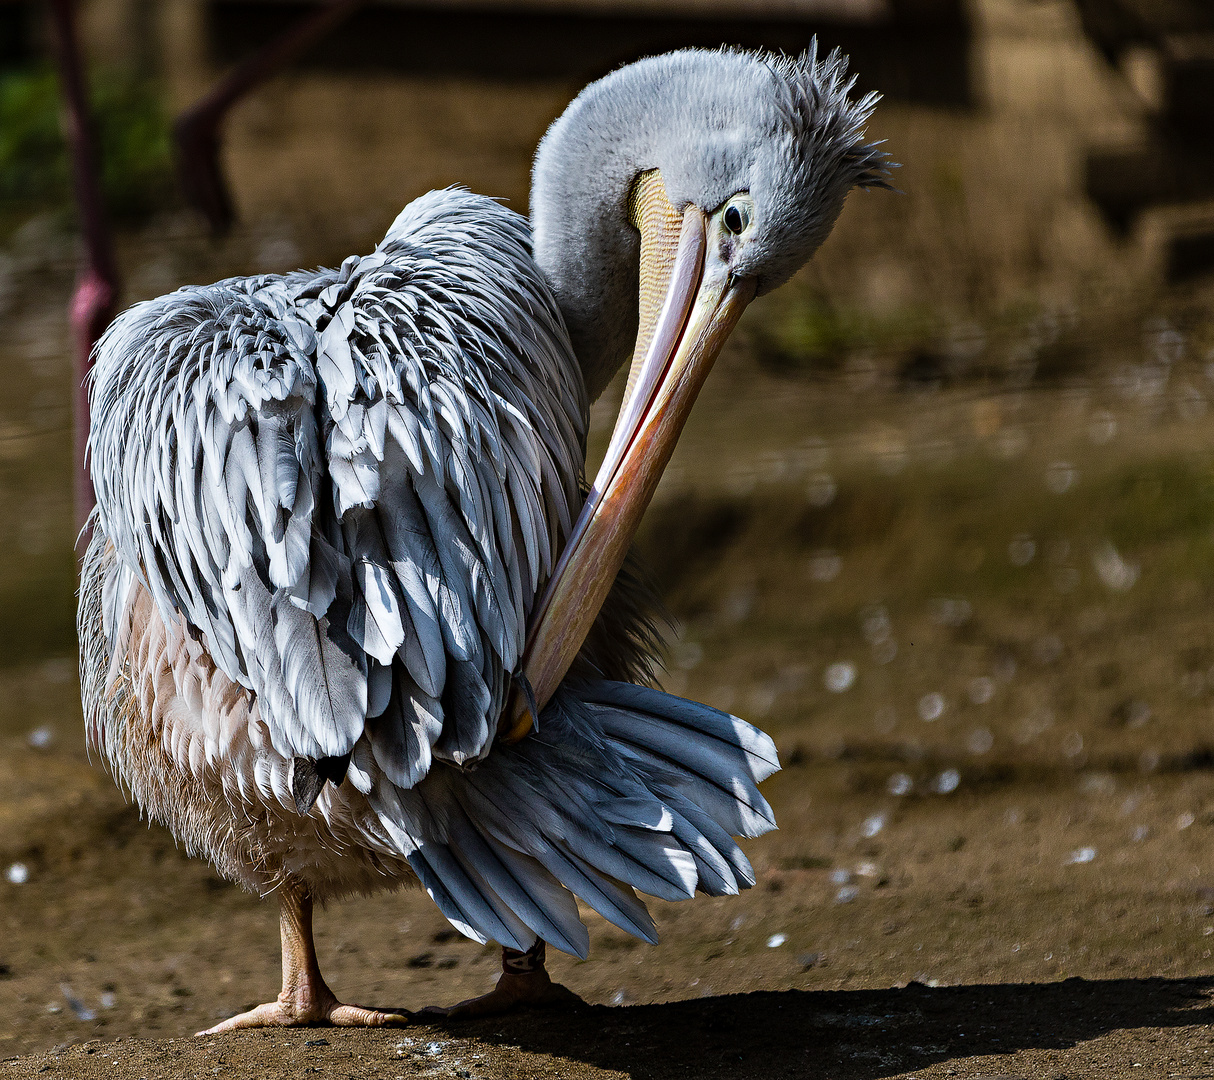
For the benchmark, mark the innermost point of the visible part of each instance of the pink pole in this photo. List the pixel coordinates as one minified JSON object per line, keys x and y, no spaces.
{"x":96,"y":297}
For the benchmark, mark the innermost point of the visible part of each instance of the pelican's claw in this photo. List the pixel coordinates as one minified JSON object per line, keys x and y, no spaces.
{"x":534,"y":989}
{"x":289,"y":1014}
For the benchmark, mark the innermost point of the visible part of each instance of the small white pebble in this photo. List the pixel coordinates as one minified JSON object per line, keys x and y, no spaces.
{"x":18,"y":873}
{"x":839,"y":676}
{"x":947,"y":782}
{"x":899,"y":784}
{"x":1115,"y":572}
{"x":1082,"y":855}
{"x":40,"y":738}
{"x":1021,"y":550}
{"x":980,"y":741}
{"x":951,"y":611}
{"x":873,"y":825}
{"x":824,"y":566}
{"x":931,"y":707}
{"x":1060,"y":477}
{"x":108,"y":1000}
{"x":1185,"y":820}
{"x":981,"y":690}
{"x":776,"y":940}
{"x":846,"y":894}
{"x":876,"y":626}
{"x":885,"y":651}
{"x":1102,"y":428}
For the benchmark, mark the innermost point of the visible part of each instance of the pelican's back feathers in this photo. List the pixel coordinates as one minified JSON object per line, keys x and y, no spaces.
{"x":351,"y":483}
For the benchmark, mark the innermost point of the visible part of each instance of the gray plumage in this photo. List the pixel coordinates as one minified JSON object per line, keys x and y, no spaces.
{"x":244,"y":434}
{"x":326,"y":503}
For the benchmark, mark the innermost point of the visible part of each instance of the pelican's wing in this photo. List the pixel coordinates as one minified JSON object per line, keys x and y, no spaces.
{"x":351,"y":483}
{"x":207,"y":463}
{"x":454,"y":442}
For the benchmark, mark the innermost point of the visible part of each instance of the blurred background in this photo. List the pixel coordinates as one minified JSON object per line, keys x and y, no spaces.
{"x":957,"y":399}
{"x":943,"y":519}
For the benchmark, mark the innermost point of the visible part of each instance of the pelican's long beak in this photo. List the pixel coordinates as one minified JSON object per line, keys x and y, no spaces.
{"x":689,"y":305}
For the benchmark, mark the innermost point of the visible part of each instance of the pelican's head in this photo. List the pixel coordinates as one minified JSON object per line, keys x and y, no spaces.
{"x":666,"y":197}
{"x":763,"y":149}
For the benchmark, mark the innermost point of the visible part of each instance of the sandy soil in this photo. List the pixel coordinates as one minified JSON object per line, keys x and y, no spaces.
{"x":1016,"y":884}
{"x":965,"y":937}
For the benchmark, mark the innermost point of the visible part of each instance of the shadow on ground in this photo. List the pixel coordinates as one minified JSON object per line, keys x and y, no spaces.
{"x":1075,"y":1028}
{"x":850,"y":1034}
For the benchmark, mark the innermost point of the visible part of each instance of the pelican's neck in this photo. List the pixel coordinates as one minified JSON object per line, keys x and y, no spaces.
{"x":584,"y":243}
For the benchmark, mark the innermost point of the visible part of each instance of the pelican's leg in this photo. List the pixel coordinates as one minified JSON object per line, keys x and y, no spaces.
{"x":524,"y":981}
{"x":305,"y":997}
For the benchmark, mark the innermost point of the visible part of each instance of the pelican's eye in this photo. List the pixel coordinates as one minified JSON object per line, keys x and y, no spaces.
{"x":736,"y":218}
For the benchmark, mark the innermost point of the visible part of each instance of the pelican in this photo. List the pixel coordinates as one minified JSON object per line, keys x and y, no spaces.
{"x":349,"y":619}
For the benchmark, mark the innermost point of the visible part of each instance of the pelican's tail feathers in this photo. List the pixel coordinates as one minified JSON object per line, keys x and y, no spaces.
{"x":485,"y":877}
{"x":714,"y":759}
{"x":623,"y":788}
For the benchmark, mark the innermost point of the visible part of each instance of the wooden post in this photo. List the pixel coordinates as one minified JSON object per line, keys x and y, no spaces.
{"x":196,"y":130}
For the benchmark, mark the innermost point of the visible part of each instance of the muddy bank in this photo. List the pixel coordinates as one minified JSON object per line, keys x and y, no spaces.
{"x":1012,"y":929}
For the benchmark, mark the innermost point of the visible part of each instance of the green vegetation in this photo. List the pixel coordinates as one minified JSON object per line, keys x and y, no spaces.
{"x":803,"y":331}
{"x":133,"y":133}
{"x":812,"y":335}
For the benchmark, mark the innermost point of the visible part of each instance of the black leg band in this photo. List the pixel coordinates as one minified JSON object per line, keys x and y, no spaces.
{"x":523,"y":963}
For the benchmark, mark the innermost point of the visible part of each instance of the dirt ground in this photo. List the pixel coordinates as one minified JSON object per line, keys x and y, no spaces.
{"x":965,"y":937}
{"x":975,"y":617}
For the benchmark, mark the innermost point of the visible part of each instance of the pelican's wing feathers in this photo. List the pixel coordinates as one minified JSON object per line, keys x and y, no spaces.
{"x":351,"y":483}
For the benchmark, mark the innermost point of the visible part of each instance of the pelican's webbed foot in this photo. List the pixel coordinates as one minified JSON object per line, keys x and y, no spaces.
{"x":306,"y":997}
{"x":524,"y":982}
{"x":282,"y":1013}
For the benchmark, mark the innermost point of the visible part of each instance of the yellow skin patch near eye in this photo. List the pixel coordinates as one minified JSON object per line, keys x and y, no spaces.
{"x":660,"y":225}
